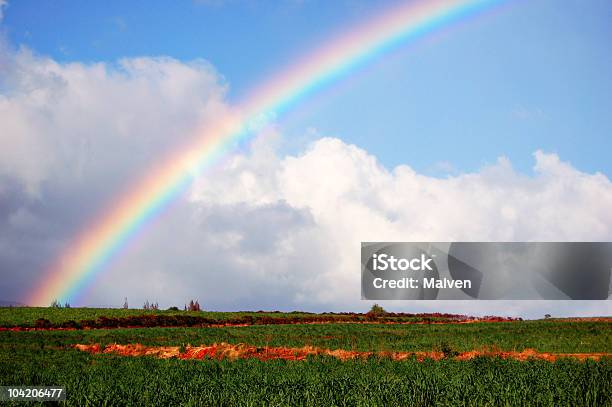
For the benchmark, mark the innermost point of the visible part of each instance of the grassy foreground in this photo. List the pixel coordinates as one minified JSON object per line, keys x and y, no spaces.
{"x":111,"y":380}
{"x":47,"y":358}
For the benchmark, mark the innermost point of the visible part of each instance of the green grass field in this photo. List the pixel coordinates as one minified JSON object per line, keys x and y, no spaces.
{"x":47,"y":358}
{"x":112,"y":380}
{"x":26,"y":316}
{"x":544,"y":336}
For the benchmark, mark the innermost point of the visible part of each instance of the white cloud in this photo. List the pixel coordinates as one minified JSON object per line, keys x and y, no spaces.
{"x":260,"y":230}
{"x":3,"y":4}
{"x":352,"y":198}
{"x":81,"y":120}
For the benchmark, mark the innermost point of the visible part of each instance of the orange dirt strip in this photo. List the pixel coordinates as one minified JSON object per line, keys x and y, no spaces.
{"x":243,"y":351}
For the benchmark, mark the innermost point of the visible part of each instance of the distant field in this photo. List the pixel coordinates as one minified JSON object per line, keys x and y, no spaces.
{"x":27,"y":316}
{"x":47,"y":357}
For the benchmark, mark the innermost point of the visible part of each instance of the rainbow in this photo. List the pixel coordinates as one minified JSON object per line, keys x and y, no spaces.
{"x":99,"y":242}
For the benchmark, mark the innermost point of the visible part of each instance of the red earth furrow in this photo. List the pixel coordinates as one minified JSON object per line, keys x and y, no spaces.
{"x":223,"y":350}
{"x":474,"y":321}
{"x":102,"y":323}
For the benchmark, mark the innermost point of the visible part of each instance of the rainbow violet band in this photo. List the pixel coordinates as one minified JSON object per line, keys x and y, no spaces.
{"x":89,"y":252}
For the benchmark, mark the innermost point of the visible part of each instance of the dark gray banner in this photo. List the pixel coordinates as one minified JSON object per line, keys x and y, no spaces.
{"x":486,"y":271}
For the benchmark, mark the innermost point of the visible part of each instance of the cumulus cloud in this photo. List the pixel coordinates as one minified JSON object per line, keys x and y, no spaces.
{"x":351,"y":198}
{"x":79,"y":121}
{"x":261,"y":229}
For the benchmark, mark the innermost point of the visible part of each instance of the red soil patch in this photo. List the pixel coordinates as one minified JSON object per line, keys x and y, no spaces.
{"x":25,"y":329}
{"x":185,"y":321}
{"x":224,"y":350}
{"x":527,"y":354}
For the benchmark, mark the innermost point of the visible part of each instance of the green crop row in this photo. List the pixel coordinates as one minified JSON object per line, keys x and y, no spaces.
{"x":544,"y":336}
{"x":97,"y":380}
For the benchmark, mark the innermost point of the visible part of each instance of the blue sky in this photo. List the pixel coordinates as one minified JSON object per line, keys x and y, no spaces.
{"x":528,"y":80}
{"x":528,"y":75}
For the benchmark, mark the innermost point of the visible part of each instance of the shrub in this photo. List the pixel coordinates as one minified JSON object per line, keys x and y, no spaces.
{"x":43,"y":323}
{"x":448,"y":351}
{"x":70,"y":324}
{"x":377,"y":310}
